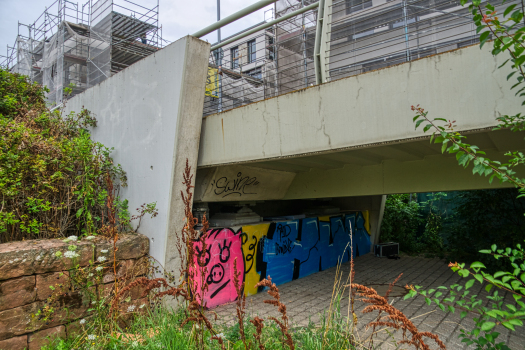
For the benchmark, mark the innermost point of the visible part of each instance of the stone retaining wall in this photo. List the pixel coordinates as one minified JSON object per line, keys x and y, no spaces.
{"x":29,"y":268}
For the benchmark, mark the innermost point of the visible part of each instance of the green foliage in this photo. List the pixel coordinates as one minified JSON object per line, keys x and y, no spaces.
{"x":434,"y":220}
{"x":465,"y":298}
{"x":400,"y":222}
{"x":172,"y":335}
{"x":483,"y":218}
{"x":507,"y":32}
{"x":52,"y":175}
{"x":403,"y":218}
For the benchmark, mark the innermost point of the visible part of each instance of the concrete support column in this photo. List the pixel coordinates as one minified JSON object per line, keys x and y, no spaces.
{"x":151,"y":113}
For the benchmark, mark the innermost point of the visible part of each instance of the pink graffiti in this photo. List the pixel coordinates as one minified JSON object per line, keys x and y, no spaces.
{"x":222,"y":247}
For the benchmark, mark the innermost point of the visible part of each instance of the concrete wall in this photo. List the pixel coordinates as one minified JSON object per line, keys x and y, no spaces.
{"x":241,"y":183}
{"x":151,"y":114}
{"x":373,"y":107}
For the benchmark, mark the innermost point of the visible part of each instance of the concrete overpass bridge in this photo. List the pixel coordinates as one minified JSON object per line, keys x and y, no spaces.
{"x":311,"y":141}
{"x":355,"y":136}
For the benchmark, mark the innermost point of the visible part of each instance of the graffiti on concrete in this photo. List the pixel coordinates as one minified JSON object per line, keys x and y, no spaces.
{"x":284,"y":250}
{"x":222,"y":247}
{"x":238,"y":186}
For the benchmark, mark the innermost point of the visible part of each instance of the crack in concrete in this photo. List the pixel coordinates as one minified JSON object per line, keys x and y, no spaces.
{"x":435,"y":64}
{"x":499,"y":85}
{"x":279,"y":125}
{"x":358,"y":92}
{"x":323,"y":126}
{"x":266,"y":135}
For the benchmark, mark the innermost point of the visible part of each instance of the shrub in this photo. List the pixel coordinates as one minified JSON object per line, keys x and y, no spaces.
{"x":52,"y":175}
{"x":400,"y":222}
{"x":483,"y":218}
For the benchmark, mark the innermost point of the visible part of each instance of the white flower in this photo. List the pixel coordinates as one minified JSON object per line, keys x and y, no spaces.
{"x":71,"y":254}
{"x":70,"y":239}
{"x":93,"y":302}
{"x":92,"y":337}
{"x":89,"y":238}
{"x":131,"y":308}
{"x":90,"y":275}
{"x":101,"y":259}
{"x":135,"y":344}
{"x":99,"y":268}
{"x":141,"y":306}
{"x":220,"y":335}
{"x":83,"y":321}
{"x":104,"y":251}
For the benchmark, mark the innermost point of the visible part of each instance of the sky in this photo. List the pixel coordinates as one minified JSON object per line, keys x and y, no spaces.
{"x":178,"y":17}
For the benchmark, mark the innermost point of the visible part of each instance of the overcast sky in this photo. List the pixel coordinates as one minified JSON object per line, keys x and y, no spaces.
{"x":178,"y":17}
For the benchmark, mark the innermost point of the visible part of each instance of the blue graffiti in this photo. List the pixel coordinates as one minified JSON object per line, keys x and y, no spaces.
{"x":297,"y":248}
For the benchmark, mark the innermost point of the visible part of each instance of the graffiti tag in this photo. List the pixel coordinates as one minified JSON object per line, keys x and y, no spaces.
{"x":241,"y":185}
{"x":286,"y":247}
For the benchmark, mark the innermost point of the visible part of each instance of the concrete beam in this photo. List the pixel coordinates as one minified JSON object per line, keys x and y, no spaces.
{"x":364,"y":110}
{"x":431,"y":174}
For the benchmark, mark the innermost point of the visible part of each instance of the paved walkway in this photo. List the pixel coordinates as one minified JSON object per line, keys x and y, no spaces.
{"x":307,"y":298}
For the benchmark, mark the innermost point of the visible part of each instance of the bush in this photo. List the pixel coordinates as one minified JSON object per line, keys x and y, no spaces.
{"x":53,"y":177}
{"x":400,"y":222}
{"x":483,"y":218}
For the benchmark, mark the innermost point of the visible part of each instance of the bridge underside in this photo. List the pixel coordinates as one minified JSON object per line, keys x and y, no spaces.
{"x":397,"y":167}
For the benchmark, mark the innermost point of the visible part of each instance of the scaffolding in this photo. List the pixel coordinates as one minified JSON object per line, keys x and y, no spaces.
{"x":360,"y":36}
{"x":80,"y":45}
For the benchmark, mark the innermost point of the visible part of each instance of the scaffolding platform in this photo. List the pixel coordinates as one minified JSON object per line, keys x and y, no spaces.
{"x":82,"y":45}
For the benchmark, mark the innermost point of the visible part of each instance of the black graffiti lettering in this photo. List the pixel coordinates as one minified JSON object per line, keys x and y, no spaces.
{"x":286,"y":247}
{"x":284,"y":231}
{"x":219,"y":289}
{"x":248,"y":256}
{"x":238,"y":186}
{"x":203,"y":258}
{"x":224,"y":255}
{"x":216,"y":274}
{"x":333,"y":232}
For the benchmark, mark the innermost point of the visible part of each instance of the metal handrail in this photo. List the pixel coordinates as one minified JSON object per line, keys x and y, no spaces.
{"x":265,"y":25}
{"x":231,"y":18}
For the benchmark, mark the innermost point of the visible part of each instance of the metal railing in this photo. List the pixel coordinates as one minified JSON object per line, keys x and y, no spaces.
{"x":314,"y":42}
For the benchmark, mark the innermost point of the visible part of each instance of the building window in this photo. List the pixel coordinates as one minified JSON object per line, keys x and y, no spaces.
{"x":270,"y":47}
{"x":251,"y":51}
{"x":255,"y":73}
{"x":235,"y":57}
{"x":357,"y":5}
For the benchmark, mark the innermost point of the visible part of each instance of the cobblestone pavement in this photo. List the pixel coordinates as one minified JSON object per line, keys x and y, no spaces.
{"x":307,"y":298}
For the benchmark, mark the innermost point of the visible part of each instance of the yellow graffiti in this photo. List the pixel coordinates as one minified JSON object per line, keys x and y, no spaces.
{"x":253,"y":233}
{"x":324,"y":218}
{"x":366,"y":216}
{"x":212,"y":83}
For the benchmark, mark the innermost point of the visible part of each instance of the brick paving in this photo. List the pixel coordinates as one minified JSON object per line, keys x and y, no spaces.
{"x":307,"y":298}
